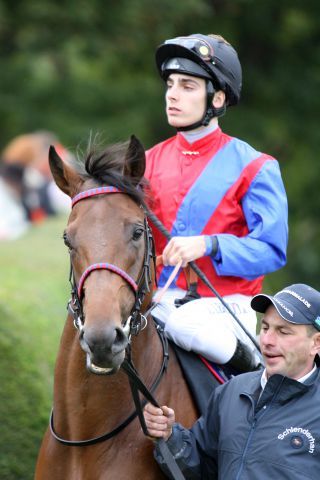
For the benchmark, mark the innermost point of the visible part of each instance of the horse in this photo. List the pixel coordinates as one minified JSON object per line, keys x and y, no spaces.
{"x":94,"y":433}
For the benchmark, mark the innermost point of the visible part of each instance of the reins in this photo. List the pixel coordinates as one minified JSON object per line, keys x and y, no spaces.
{"x":137,"y":386}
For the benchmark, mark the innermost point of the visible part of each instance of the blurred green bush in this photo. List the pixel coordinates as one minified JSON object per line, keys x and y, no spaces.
{"x":33,"y":295}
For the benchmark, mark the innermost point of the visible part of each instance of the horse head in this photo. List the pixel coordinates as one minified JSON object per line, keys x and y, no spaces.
{"x":110,"y":249}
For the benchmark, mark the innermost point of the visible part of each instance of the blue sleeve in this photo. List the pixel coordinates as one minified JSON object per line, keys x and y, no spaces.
{"x":263,"y":250}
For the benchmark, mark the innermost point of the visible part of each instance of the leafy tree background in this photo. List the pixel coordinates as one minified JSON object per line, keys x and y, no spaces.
{"x":76,"y":67}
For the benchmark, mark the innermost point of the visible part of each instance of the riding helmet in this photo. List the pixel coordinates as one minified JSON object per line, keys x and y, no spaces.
{"x":206,"y":56}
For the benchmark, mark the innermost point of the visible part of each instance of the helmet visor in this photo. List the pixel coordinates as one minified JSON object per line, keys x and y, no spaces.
{"x":184,"y":65}
{"x":197,"y":45}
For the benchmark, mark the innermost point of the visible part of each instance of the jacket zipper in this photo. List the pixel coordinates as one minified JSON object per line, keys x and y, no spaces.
{"x":253,"y":425}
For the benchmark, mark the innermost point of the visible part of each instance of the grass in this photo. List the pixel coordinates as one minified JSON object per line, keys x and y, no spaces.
{"x":33,"y":294}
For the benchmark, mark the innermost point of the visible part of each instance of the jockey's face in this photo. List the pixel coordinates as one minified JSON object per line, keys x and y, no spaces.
{"x":288,"y":349}
{"x":185,"y":99}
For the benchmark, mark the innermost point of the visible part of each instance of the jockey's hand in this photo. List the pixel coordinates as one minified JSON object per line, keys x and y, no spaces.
{"x":159,"y":421}
{"x":186,"y":249}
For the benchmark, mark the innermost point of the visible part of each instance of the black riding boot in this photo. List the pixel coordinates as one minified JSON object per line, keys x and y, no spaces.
{"x":243,"y":360}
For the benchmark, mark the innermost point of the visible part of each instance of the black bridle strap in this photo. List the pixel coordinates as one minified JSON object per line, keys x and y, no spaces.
{"x":137,"y":386}
{"x":91,"y":441}
{"x":130,"y":418}
{"x":155,"y":220}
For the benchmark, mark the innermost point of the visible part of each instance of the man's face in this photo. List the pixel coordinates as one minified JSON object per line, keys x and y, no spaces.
{"x":286,"y":347}
{"x":185,"y":99}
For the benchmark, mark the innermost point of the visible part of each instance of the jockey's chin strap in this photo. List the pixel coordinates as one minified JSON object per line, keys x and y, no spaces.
{"x":136,"y":321}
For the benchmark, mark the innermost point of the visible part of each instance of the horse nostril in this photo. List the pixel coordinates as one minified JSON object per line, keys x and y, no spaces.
{"x":99,"y":340}
{"x":120,"y":341}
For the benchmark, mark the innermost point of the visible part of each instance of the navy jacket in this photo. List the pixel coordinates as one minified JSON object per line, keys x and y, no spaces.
{"x":244,"y":437}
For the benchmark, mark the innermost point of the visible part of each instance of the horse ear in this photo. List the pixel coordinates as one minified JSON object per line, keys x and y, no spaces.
{"x":64,"y":175}
{"x":135,"y":160}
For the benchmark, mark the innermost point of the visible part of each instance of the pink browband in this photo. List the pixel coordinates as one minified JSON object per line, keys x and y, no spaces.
{"x":101,"y":266}
{"x":93,"y":192}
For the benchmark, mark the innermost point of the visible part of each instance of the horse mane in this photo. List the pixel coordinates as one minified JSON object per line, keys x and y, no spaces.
{"x":106,"y":167}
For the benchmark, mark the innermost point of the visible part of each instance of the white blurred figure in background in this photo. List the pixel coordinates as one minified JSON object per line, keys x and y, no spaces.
{"x":40,"y":195}
{"x":13,"y":216}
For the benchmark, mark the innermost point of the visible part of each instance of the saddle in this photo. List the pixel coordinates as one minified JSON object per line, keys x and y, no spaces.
{"x":202,"y":376}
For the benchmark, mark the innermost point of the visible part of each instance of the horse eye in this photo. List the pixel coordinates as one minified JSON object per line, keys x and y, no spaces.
{"x":138,"y":231}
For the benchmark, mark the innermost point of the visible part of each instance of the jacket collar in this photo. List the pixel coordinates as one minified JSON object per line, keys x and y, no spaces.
{"x":200,"y":146}
{"x":279,"y":389}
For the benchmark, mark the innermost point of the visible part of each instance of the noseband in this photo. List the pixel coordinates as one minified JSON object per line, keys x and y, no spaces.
{"x":136,"y":321}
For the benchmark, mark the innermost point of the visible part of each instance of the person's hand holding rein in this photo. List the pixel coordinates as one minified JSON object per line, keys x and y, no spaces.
{"x":186,"y":249}
{"x":159,"y":421}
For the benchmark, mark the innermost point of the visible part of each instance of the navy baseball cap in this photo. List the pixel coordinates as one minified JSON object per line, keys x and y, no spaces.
{"x":297,"y":303}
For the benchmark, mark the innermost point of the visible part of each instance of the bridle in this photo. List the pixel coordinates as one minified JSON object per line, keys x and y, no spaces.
{"x":136,"y":320}
{"x":134,"y":324}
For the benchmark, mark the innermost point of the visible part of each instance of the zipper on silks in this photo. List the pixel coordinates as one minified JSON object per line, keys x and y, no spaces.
{"x":253,"y":426}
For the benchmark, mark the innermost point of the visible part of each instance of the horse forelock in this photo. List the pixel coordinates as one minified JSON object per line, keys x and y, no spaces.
{"x":106,"y":168}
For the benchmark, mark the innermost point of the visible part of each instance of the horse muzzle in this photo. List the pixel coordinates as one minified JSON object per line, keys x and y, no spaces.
{"x":105,"y":349}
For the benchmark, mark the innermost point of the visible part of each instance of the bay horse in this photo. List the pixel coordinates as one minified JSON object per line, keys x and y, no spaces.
{"x":108,"y":237}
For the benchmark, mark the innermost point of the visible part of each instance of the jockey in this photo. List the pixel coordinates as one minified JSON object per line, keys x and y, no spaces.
{"x":223,"y":202}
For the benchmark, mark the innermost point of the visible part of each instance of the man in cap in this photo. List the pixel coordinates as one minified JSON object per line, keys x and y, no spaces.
{"x":223,"y":202}
{"x":259,"y":426}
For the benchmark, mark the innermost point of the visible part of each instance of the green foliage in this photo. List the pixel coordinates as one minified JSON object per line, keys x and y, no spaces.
{"x":33,"y":295}
{"x":80,"y":67}
{"x":76,"y":67}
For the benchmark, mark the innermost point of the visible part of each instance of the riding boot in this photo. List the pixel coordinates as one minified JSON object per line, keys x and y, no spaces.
{"x":243,"y":359}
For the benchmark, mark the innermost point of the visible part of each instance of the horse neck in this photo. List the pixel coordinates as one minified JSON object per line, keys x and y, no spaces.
{"x":104,"y":401}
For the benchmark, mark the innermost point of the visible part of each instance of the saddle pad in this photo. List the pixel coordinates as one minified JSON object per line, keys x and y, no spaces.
{"x":201,"y":375}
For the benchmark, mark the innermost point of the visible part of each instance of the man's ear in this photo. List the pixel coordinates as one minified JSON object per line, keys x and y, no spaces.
{"x":219,"y":99}
{"x":316,"y":344}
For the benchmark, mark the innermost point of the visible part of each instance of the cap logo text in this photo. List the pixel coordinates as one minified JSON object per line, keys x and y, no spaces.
{"x":298,"y":297}
{"x":284,"y":307}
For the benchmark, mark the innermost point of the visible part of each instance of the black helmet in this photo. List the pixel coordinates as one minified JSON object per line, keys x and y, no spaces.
{"x":209,"y":57}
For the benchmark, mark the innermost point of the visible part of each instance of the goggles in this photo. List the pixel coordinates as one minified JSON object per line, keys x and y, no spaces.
{"x":197,"y":45}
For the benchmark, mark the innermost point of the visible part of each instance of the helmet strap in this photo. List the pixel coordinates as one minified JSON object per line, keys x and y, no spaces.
{"x":209,"y":113}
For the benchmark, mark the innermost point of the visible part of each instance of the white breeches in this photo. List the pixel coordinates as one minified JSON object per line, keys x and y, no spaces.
{"x":205,"y":326}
